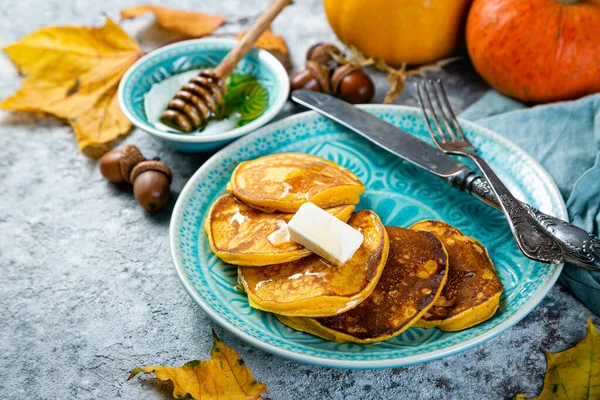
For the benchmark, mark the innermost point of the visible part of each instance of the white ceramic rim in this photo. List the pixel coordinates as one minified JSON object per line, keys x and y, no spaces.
{"x":370,"y":364}
{"x":264,"y":57}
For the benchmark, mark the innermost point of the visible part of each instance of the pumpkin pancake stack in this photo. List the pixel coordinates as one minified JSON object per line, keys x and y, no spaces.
{"x":397,"y":278}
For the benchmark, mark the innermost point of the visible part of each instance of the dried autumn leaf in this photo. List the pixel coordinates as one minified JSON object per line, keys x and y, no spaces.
{"x":73,"y":72}
{"x":268,"y":41}
{"x":357,"y":57}
{"x":223,"y":377}
{"x":573,"y":374}
{"x":188,"y":23}
{"x":396,"y":78}
{"x":432,"y":67}
{"x":275,"y":44}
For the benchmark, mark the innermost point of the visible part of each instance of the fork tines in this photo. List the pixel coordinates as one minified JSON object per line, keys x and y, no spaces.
{"x":436,"y":112}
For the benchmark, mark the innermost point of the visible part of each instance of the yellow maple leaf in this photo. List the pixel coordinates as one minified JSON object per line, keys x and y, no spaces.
{"x":73,"y":72}
{"x":223,"y":377}
{"x":573,"y":374}
{"x":188,"y":23}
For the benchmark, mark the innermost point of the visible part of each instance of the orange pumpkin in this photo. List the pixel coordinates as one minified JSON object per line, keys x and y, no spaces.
{"x":397,"y":31}
{"x":537,"y":51}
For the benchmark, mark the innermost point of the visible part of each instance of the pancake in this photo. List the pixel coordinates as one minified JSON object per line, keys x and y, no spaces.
{"x":313,"y":287}
{"x":239,"y":234}
{"x":473,"y":290}
{"x":285,"y":181}
{"x":412,"y":279}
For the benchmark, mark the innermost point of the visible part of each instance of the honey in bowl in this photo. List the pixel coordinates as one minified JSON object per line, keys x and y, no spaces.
{"x":246,"y":99}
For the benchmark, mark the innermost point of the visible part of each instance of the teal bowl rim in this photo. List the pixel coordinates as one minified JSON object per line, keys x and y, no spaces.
{"x":367,"y":364}
{"x":264,"y":57}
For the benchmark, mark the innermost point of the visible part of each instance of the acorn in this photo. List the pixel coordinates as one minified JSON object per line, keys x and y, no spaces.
{"x":322,"y":53}
{"x":352,"y":84}
{"x":131,"y":156}
{"x":116,"y":165}
{"x":315,"y":77}
{"x":304,"y":80}
{"x":109,"y":166}
{"x":151,"y":184}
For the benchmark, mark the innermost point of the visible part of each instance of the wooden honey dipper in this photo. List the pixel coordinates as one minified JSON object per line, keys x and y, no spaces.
{"x":202,"y":98}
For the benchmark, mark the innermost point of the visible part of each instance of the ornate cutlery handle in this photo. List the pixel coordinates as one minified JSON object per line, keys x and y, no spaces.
{"x":580,"y":247}
{"x":530,"y":236}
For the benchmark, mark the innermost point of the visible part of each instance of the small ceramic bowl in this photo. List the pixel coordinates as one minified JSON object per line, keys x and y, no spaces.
{"x":194,"y":55}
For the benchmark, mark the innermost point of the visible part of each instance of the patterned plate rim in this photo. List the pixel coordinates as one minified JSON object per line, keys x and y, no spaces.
{"x":526,"y":308}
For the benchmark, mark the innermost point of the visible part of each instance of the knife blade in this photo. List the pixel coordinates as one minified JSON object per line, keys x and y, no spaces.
{"x":384,"y":135}
{"x":581,"y":248}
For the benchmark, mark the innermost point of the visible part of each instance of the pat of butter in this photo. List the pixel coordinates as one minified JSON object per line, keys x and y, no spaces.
{"x":324,"y":234}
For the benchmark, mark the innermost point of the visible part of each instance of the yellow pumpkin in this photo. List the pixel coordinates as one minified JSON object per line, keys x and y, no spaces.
{"x":397,"y":31}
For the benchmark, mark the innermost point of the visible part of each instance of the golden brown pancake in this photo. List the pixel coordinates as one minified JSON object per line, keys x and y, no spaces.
{"x":313,"y":287}
{"x":473,"y":290}
{"x":412,"y":280}
{"x":285,"y":181}
{"x":241,"y":235}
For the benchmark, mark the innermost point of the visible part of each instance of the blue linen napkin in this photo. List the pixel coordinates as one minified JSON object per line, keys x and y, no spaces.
{"x":565,"y":138}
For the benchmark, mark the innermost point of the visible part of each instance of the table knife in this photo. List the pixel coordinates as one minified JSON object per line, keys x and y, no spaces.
{"x":580,"y":248}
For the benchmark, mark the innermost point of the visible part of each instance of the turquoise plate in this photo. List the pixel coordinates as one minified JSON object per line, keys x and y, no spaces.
{"x":401,"y":194}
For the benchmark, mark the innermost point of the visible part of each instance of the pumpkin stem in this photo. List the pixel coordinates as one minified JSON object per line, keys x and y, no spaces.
{"x":568,"y":1}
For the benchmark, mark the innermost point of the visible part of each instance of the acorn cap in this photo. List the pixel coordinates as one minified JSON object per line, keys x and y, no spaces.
{"x":340,"y":73}
{"x":151,"y":165}
{"x":321,"y":74}
{"x":321,"y":53}
{"x":130,"y":157}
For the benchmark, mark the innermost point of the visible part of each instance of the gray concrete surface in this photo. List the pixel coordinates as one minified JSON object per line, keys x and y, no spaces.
{"x":87,"y":288}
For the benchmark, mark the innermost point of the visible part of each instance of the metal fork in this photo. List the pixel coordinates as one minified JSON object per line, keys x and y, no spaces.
{"x":449,"y":137}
